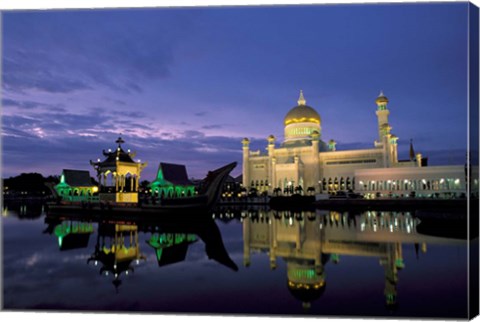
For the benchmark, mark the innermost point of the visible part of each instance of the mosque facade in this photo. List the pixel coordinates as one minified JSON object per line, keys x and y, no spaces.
{"x":305,"y":162}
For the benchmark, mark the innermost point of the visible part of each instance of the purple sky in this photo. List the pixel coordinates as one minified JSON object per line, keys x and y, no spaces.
{"x":186,"y":85}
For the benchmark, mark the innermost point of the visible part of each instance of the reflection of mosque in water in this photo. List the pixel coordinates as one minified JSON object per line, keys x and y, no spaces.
{"x":307,"y":241}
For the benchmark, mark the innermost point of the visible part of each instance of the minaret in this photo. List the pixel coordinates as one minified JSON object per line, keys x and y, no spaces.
{"x":271,"y":163}
{"x":316,"y":158}
{"x":382,"y":115}
{"x":245,"y":165}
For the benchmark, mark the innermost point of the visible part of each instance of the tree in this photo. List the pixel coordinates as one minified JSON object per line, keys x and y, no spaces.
{"x":277,"y":191}
{"x":311,"y":190}
{"x":144,"y":185}
{"x":298,"y":189}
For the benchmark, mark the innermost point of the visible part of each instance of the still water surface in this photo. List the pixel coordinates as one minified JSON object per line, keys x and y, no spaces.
{"x":323,"y":263}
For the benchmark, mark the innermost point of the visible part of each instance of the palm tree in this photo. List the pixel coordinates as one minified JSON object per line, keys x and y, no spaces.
{"x":298,"y":189}
{"x":277,"y":190}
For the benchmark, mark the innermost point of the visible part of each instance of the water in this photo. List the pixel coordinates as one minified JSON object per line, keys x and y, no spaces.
{"x":321,"y":263}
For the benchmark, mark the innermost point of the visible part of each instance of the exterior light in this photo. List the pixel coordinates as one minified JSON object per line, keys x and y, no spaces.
{"x":109,"y":150}
{"x":95,"y":189}
{"x":98,"y":160}
{"x":117,"y":158}
{"x":128,"y":150}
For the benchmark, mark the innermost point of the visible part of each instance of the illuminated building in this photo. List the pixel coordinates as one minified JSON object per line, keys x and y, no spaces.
{"x":304,"y":161}
{"x":75,"y":185}
{"x":172,"y":181}
{"x":118,"y":175}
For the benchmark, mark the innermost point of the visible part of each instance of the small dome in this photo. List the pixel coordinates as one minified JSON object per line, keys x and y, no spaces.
{"x":381,"y":99}
{"x":302,"y":113}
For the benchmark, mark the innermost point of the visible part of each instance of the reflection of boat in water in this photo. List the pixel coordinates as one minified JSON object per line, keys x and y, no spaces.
{"x":118,"y":251}
{"x":206,"y":199}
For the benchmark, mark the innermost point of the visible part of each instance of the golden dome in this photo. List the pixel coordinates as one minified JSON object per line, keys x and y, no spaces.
{"x":381,"y":99}
{"x":302,"y":113}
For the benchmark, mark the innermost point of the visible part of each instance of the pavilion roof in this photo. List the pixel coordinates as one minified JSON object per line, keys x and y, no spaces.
{"x":112,"y":156}
{"x":77,"y":178}
{"x":174,"y":173}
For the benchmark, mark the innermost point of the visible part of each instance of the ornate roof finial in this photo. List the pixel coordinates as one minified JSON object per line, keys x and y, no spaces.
{"x":301,"y":99}
{"x":120,"y":141}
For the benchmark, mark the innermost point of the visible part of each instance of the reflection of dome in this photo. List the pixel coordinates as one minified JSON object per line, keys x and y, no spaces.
{"x":306,"y":293}
{"x":306,"y":280}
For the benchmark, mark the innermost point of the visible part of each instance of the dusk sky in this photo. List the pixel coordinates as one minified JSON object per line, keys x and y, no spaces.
{"x":186,"y":85}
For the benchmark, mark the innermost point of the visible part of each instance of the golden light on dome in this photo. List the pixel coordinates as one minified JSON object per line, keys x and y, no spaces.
{"x":302,"y":113}
{"x":316,"y":286}
{"x":302,"y":120}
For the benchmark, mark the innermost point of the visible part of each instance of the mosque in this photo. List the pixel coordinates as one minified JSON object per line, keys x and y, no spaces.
{"x":304,"y":162}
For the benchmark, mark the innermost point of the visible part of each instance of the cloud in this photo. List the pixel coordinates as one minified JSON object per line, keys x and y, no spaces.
{"x":212,"y":127}
{"x":91,"y":48}
{"x":30,"y":105}
{"x":80,"y":138}
{"x":33,"y":73}
{"x":20,"y":104}
{"x":200,"y":114}
{"x":134,"y":114}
